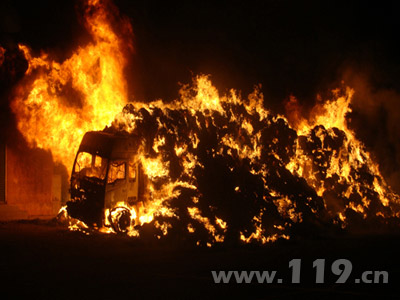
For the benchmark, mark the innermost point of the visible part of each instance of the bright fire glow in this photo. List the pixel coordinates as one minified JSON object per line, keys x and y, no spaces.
{"x":59,"y":101}
{"x":289,"y":170}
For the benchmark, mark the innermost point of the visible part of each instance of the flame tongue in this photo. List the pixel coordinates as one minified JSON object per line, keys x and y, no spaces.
{"x":58,"y":102}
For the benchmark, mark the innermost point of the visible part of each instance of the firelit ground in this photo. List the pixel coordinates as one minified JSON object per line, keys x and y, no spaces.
{"x":45,"y":260}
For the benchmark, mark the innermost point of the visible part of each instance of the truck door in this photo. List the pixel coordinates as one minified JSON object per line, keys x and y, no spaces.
{"x":133,"y":189}
{"x":116,"y":188}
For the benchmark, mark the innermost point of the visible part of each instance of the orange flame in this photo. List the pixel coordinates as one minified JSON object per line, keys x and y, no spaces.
{"x":59,"y":102}
{"x":331,"y":114}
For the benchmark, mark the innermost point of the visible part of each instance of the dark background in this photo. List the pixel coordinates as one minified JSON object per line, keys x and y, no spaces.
{"x":290,"y":47}
{"x":44,"y":261}
{"x":300,"y":48}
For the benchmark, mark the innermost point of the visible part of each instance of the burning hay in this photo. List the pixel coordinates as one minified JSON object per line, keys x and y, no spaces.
{"x":224,"y":168}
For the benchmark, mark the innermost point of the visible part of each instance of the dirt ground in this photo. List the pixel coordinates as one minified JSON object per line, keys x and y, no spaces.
{"x":45,"y":260}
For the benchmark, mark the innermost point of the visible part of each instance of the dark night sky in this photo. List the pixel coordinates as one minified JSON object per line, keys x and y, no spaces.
{"x":297,"y":47}
{"x":290,"y":47}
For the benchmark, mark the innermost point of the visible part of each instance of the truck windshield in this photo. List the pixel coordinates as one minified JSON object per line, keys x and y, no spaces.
{"x":91,"y":165}
{"x":116,"y":172}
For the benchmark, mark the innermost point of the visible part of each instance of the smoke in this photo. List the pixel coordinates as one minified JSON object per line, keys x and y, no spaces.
{"x":375,"y":119}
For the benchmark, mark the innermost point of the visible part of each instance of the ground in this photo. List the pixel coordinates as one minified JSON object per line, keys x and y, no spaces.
{"x":44,"y":260}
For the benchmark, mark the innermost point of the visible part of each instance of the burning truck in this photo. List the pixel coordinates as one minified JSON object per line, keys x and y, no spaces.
{"x":106,"y":176}
{"x":211,"y":166}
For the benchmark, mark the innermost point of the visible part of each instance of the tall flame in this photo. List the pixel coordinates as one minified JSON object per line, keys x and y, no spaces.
{"x":59,"y":101}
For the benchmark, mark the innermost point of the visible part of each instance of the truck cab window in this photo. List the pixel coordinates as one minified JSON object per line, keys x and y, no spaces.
{"x":116,"y":171}
{"x":89,"y":165}
{"x":84,"y":160}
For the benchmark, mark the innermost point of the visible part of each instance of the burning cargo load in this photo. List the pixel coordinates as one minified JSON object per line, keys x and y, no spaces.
{"x":223,"y":168}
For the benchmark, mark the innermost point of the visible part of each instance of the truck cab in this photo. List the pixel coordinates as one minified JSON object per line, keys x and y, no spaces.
{"x":107,"y":175}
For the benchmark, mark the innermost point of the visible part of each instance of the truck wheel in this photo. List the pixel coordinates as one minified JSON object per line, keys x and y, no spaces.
{"x":120,"y":219}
